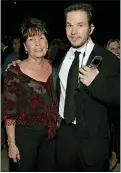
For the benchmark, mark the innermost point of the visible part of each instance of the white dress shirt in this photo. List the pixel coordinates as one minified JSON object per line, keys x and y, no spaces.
{"x":65,"y":69}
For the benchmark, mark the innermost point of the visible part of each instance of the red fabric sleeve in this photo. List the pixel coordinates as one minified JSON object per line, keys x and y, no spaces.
{"x":11,"y":89}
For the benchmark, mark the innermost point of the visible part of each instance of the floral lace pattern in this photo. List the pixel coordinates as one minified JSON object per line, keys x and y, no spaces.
{"x":9,"y":104}
{"x":39,"y":89}
{"x":29,"y":102}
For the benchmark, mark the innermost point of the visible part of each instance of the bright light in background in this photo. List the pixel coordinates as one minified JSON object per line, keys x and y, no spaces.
{"x":14,"y":3}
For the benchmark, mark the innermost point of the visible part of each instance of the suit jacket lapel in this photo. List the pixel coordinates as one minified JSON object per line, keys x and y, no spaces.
{"x":92,"y":55}
{"x":57,"y":65}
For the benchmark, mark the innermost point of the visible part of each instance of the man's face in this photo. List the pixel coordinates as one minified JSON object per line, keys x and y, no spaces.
{"x":114,"y":47}
{"x":77,"y":28}
{"x":16,"y":45}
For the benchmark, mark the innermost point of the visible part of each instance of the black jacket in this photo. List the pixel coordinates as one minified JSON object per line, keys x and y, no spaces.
{"x":92,"y":102}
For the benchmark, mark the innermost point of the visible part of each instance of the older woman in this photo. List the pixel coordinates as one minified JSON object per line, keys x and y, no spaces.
{"x":30,"y":105}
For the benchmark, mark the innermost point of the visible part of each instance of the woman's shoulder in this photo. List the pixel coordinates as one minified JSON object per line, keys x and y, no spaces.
{"x":22,"y":63}
{"x":12,"y":73}
{"x":12,"y":69}
{"x":16,"y":69}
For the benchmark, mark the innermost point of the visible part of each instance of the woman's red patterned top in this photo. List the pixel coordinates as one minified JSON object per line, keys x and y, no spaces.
{"x":29,"y":102}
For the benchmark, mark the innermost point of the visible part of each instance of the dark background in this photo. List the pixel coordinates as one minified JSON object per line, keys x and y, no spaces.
{"x":107,"y":17}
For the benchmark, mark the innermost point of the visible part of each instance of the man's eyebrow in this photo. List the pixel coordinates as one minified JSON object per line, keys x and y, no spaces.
{"x":68,"y":23}
{"x":77,"y":23}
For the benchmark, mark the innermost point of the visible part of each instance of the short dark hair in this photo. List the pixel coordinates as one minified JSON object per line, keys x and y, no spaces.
{"x":31,"y":27}
{"x":88,"y":8}
{"x":16,"y":38}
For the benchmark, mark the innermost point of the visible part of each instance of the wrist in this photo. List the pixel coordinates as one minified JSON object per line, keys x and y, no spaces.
{"x":11,"y":145}
{"x":11,"y":141}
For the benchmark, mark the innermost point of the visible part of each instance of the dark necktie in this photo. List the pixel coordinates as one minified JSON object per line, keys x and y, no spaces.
{"x":72,"y":82}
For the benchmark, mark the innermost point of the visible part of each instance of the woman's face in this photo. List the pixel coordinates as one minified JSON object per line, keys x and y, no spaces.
{"x":36,"y":46}
{"x":114,"y":47}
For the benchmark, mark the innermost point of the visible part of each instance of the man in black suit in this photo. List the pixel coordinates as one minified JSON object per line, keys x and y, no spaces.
{"x":83,"y":137}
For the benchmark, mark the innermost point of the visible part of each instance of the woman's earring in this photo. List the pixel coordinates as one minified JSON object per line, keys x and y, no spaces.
{"x":47,"y":47}
{"x":26,"y":52}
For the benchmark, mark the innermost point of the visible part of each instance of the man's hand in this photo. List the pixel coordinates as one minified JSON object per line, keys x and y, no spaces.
{"x":13,"y":63}
{"x":87,"y":75}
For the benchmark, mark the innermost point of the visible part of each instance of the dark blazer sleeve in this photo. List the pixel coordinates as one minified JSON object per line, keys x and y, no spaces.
{"x":106,"y":86}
